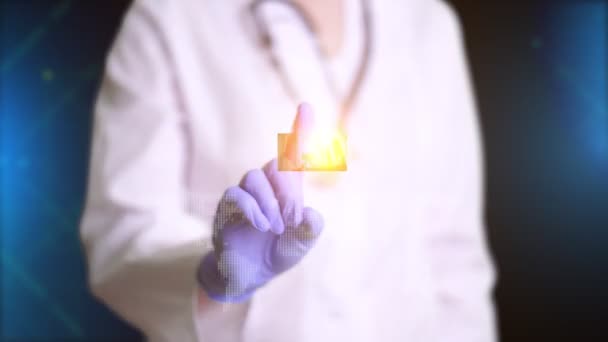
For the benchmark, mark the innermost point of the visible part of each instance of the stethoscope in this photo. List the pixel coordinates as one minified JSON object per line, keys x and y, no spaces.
{"x":347,"y":102}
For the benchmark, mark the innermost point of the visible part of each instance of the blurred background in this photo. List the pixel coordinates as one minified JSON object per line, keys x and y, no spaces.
{"x":540,"y":72}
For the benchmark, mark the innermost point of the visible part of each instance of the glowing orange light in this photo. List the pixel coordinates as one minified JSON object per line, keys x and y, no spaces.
{"x":324,"y":150}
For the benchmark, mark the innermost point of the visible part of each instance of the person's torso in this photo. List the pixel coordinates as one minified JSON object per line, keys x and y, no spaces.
{"x":367,"y":278}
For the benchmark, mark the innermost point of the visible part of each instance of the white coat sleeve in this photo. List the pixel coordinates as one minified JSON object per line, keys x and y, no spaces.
{"x":141,"y":244}
{"x":462,"y":269}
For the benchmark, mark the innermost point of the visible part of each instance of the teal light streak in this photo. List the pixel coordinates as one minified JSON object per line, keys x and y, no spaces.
{"x":18,"y":273}
{"x":34,"y":37}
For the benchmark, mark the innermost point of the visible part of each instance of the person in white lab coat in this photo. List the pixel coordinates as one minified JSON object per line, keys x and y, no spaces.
{"x":193,"y":97}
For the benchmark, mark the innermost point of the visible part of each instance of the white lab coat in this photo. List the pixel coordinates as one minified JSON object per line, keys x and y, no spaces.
{"x":190,"y":102}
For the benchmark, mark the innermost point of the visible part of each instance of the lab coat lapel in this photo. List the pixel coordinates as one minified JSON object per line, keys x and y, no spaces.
{"x":299,"y":64}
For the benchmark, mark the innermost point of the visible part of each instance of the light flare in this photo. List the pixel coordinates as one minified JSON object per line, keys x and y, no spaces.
{"x":322,"y":150}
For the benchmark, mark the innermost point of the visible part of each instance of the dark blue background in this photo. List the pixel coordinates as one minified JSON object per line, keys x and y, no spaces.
{"x":540,"y":71}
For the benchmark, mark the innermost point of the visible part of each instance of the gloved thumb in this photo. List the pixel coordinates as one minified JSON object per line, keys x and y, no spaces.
{"x":294,"y":243}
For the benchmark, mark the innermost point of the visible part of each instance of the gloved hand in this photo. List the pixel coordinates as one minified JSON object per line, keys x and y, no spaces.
{"x":261,"y":229}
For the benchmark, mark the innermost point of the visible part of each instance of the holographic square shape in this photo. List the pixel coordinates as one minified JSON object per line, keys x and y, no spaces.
{"x":325,"y":157}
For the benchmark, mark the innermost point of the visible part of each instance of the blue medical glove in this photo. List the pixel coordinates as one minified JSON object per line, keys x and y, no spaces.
{"x":261,"y":229}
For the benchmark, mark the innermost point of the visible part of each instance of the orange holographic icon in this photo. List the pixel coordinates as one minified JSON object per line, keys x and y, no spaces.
{"x":323,"y":151}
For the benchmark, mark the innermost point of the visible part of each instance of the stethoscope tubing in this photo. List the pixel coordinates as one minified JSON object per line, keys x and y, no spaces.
{"x":348,"y":102}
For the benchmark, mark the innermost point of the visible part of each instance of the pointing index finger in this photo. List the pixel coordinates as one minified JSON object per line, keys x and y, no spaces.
{"x":287,"y":186}
{"x":302,"y":128}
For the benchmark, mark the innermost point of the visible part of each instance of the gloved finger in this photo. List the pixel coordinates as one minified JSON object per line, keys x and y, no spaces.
{"x":301,"y":132}
{"x":308,"y":231}
{"x":304,"y":118}
{"x":238,"y":203}
{"x":293,"y":245}
{"x":258,"y":186}
{"x":287,"y":187}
